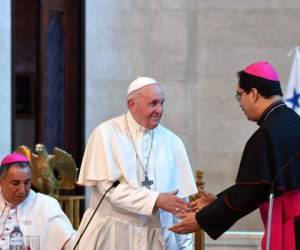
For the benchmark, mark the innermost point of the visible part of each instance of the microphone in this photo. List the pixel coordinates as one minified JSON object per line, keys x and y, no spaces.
{"x":115,"y":183}
{"x":271,"y":197}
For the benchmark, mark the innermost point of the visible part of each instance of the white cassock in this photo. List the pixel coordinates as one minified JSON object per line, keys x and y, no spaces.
{"x":38,"y":215}
{"x":127,"y":218}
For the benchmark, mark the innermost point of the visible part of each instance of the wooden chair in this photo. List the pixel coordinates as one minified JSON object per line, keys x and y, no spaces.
{"x":199,"y":236}
{"x":70,"y":204}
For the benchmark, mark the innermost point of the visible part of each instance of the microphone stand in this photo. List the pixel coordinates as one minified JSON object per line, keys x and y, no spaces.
{"x":271,"y":198}
{"x":116,"y":183}
{"x":270,"y":214}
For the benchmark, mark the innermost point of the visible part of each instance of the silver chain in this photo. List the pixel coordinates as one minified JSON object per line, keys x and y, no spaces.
{"x":145,"y":170}
{"x":269,"y":112}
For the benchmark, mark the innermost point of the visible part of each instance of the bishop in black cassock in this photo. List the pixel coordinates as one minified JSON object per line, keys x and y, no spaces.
{"x":273,"y":144}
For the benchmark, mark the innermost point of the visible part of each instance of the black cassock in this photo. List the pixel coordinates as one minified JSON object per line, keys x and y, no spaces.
{"x":275,"y":142}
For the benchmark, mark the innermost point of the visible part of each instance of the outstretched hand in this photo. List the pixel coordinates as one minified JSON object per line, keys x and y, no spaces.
{"x":171,"y":203}
{"x":188,"y":224}
{"x":202,"y":201}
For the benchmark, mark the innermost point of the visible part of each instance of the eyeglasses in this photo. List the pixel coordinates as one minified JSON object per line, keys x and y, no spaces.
{"x":238,"y":95}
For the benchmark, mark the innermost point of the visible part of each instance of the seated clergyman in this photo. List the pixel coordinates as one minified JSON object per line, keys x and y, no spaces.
{"x":36,"y":214}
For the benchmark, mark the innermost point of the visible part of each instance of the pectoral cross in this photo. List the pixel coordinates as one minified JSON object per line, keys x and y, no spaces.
{"x":147,"y":183}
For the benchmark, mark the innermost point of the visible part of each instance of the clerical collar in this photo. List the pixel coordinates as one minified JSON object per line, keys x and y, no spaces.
{"x":269,"y":110}
{"x":134,"y":125}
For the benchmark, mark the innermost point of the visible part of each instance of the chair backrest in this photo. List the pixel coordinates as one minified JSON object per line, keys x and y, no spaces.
{"x":199,"y":236}
{"x":70,"y":204}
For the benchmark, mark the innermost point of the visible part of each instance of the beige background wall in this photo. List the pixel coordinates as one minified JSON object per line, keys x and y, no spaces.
{"x":194,"y":48}
{"x":5,"y":78}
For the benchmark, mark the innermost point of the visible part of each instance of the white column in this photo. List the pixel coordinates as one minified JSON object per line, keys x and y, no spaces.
{"x":5,"y":77}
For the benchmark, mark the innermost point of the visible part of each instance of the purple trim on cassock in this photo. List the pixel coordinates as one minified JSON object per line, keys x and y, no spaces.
{"x":285,"y":210}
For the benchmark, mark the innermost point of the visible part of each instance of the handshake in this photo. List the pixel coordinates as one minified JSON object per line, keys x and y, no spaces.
{"x":179,"y":207}
{"x":184,"y":210}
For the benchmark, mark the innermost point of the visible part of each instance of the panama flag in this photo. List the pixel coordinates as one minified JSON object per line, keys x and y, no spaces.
{"x":292,"y":93}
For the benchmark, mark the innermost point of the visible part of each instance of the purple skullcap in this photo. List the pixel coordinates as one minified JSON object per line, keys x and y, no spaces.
{"x":14,"y":157}
{"x":263,"y":70}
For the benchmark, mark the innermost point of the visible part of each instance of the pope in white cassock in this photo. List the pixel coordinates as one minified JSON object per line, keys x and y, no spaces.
{"x":155,"y":177}
{"x":36,"y":214}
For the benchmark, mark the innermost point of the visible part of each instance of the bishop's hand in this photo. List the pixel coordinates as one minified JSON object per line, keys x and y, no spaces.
{"x":188,"y":224}
{"x":204,"y":199}
{"x":171,"y":203}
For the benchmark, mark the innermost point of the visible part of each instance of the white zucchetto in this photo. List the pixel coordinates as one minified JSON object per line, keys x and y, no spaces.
{"x":140,"y":82}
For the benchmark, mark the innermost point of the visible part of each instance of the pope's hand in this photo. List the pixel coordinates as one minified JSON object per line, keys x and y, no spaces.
{"x":202,"y":201}
{"x":188,"y":224}
{"x":171,"y":203}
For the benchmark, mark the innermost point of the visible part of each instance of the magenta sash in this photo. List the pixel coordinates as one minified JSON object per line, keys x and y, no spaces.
{"x":286,"y":208}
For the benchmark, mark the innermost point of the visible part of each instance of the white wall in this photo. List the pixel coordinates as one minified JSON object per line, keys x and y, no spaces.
{"x":194,"y":48}
{"x":5,"y":77}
